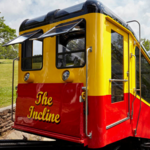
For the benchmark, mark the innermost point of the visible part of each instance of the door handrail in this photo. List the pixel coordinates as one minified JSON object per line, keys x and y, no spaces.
{"x":117,"y":122}
{"x":13,"y":88}
{"x":86,"y":96}
{"x":118,"y":80}
{"x":139,"y":71}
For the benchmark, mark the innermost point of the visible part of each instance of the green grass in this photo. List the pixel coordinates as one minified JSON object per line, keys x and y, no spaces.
{"x":6,"y":81}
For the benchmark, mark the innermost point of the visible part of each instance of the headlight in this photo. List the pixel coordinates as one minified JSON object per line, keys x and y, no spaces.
{"x":65,"y":75}
{"x":26,"y":77}
{"x":29,"y":77}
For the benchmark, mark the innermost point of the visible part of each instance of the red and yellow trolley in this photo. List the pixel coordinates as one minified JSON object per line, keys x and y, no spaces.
{"x":78,"y":77}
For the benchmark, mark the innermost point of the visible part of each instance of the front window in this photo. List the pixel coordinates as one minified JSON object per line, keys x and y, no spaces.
{"x":32,"y":53}
{"x":71,"y":48}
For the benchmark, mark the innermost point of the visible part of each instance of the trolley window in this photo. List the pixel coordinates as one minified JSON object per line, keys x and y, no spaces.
{"x":117,"y":66}
{"x":145,"y":74}
{"x":32,"y":53}
{"x":71,"y":48}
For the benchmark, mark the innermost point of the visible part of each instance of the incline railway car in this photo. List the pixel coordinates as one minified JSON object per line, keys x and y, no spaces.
{"x":82,"y":77}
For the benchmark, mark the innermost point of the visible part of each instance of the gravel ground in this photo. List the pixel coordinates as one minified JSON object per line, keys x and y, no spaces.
{"x":19,"y":135}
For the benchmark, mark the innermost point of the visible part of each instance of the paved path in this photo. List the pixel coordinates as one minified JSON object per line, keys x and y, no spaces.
{"x":8,"y":107}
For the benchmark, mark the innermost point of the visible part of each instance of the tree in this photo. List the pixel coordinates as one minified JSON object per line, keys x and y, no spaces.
{"x":146,"y":44}
{"x":7,"y":34}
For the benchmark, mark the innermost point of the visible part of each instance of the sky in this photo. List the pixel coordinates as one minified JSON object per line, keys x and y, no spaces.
{"x":16,"y":11}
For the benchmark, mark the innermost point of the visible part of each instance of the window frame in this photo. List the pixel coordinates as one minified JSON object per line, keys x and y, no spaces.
{"x":32,"y":54}
{"x":113,"y":102}
{"x":57,"y":42}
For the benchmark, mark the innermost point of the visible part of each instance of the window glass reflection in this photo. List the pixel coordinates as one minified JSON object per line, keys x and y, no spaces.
{"x":32,"y":54}
{"x":117,"y":66}
{"x":71,"y":59}
{"x":145,"y":75}
{"x":71,"y":48}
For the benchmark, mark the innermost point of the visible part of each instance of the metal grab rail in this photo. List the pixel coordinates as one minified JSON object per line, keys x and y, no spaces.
{"x":86,"y":96}
{"x":13,"y":87}
{"x":117,"y":80}
{"x":139,"y":71}
{"x":132,"y":109}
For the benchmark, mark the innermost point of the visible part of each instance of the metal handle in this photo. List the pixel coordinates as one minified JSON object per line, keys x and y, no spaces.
{"x":117,"y":80}
{"x":13,"y":88}
{"x":132,"y":110}
{"x":139,"y":71}
{"x":86,"y":96}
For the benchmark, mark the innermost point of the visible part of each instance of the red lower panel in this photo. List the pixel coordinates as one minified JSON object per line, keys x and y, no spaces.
{"x":103,"y":113}
{"x":143,"y":129}
{"x":51,"y":108}
{"x":63,"y":101}
{"x":117,"y":110}
{"x":96,"y":121}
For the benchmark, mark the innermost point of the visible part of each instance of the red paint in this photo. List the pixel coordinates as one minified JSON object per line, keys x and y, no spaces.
{"x":117,"y":109}
{"x":102,"y":113}
{"x":52,"y":134}
{"x":144,"y":120}
{"x":66,"y":103}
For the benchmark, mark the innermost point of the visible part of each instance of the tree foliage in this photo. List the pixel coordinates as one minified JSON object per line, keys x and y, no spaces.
{"x":146,"y":44}
{"x":7,"y":34}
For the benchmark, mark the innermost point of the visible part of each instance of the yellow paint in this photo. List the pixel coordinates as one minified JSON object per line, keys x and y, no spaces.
{"x":143,"y":100}
{"x":45,"y":115}
{"x":57,"y":120}
{"x":31,"y":112}
{"x":31,"y":77}
{"x":83,"y":95}
{"x":49,"y":102}
{"x":98,"y":35}
{"x":39,"y":115}
{"x":71,"y":77}
{"x":42,"y":97}
{"x":39,"y":97}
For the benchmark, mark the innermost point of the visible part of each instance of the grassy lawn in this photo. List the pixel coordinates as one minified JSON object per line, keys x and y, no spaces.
{"x":6,"y":81}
